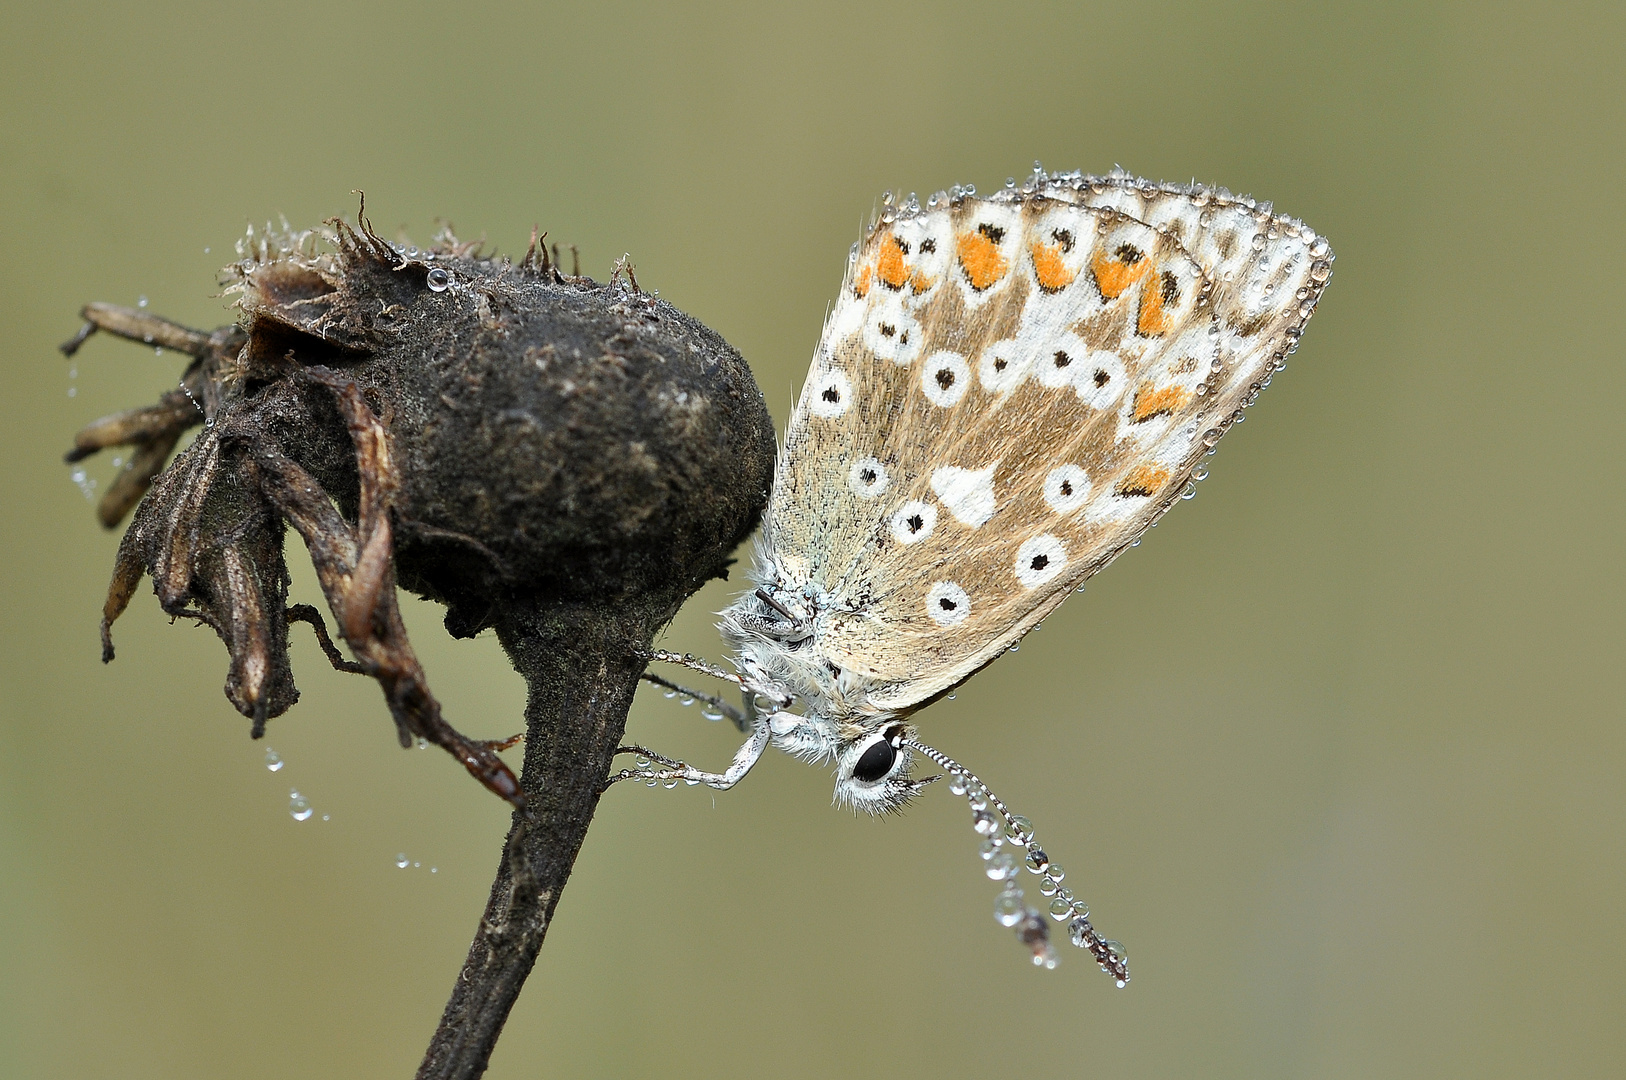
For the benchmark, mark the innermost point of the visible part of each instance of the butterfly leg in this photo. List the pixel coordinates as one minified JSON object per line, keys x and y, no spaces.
{"x":715,"y":702}
{"x":694,"y":663}
{"x":745,"y":757}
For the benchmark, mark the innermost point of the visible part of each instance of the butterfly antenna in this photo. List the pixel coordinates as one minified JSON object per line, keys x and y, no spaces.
{"x":998,"y":851}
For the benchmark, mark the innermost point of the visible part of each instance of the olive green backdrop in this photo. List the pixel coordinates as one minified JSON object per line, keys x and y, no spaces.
{"x":1337,"y":753}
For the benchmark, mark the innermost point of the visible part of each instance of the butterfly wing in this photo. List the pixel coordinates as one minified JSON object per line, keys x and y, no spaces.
{"x":1008,"y":393}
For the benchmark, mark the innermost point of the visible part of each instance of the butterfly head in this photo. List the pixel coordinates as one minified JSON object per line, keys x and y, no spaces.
{"x":775,"y":630}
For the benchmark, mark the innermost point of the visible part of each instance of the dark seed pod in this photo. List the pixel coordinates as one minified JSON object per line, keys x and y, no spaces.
{"x":497,"y":436}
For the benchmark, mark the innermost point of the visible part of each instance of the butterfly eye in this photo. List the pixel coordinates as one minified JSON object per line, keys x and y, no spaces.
{"x":876,"y":761}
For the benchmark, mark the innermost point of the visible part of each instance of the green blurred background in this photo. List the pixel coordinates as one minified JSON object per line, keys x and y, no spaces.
{"x":1336,"y":753}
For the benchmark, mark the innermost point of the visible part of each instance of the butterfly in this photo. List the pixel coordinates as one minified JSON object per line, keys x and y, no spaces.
{"x":1009,"y":391}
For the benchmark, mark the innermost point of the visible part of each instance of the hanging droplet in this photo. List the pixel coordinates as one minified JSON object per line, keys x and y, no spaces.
{"x":1008,"y":907}
{"x":402,"y":861}
{"x":299,"y":807}
{"x":1002,"y":867}
{"x":273,"y":760}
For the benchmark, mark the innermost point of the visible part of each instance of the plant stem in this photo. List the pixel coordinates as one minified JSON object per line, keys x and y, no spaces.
{"x":582,"y":665}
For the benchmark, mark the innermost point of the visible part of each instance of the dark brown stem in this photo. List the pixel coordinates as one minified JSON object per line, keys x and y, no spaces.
{"x":581,"y":665}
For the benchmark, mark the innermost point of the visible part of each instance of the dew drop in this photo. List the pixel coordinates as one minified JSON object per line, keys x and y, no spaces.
{"x":423,"y":743}
{"x":141,"y":302}
{"x":438,"y":279}
{"x":957,"y":783}
{"x":1037,"y":860}
{"x":299,"y":808}
{"x":402,"y":861}
{"x":1008,"y":907}
{"x":983,"y":822}
{"x":1060,"y":910}
{"x":1021,"y":830}
{"x":273,"y":760}
{"x":1002,"y":867}
{"x":711,"y":712}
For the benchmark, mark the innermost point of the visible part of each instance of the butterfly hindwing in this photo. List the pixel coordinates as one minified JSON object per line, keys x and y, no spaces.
{"x":1008,"y":392}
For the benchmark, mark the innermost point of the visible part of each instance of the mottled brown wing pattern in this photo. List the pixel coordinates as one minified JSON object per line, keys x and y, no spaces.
{"x":1008,"y":393}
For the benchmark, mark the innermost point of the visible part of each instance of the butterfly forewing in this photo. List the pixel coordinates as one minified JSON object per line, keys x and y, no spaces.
{"x":1008,"y":392}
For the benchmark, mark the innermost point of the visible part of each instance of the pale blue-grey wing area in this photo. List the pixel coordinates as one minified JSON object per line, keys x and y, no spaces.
{"x":1010,"y":391}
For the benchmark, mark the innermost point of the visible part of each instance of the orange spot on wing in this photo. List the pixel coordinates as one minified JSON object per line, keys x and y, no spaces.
{"x":1113,"y":275}
{"x":889,"y":265}
{"x":919,"y":282}
{"x":1150,"y":402}
{"x":1143,"y":480}
{"x":1049,"y":268}
{"x":980,"y":259}
{"x":861,"y":283}
{"x":1154,"y":318}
